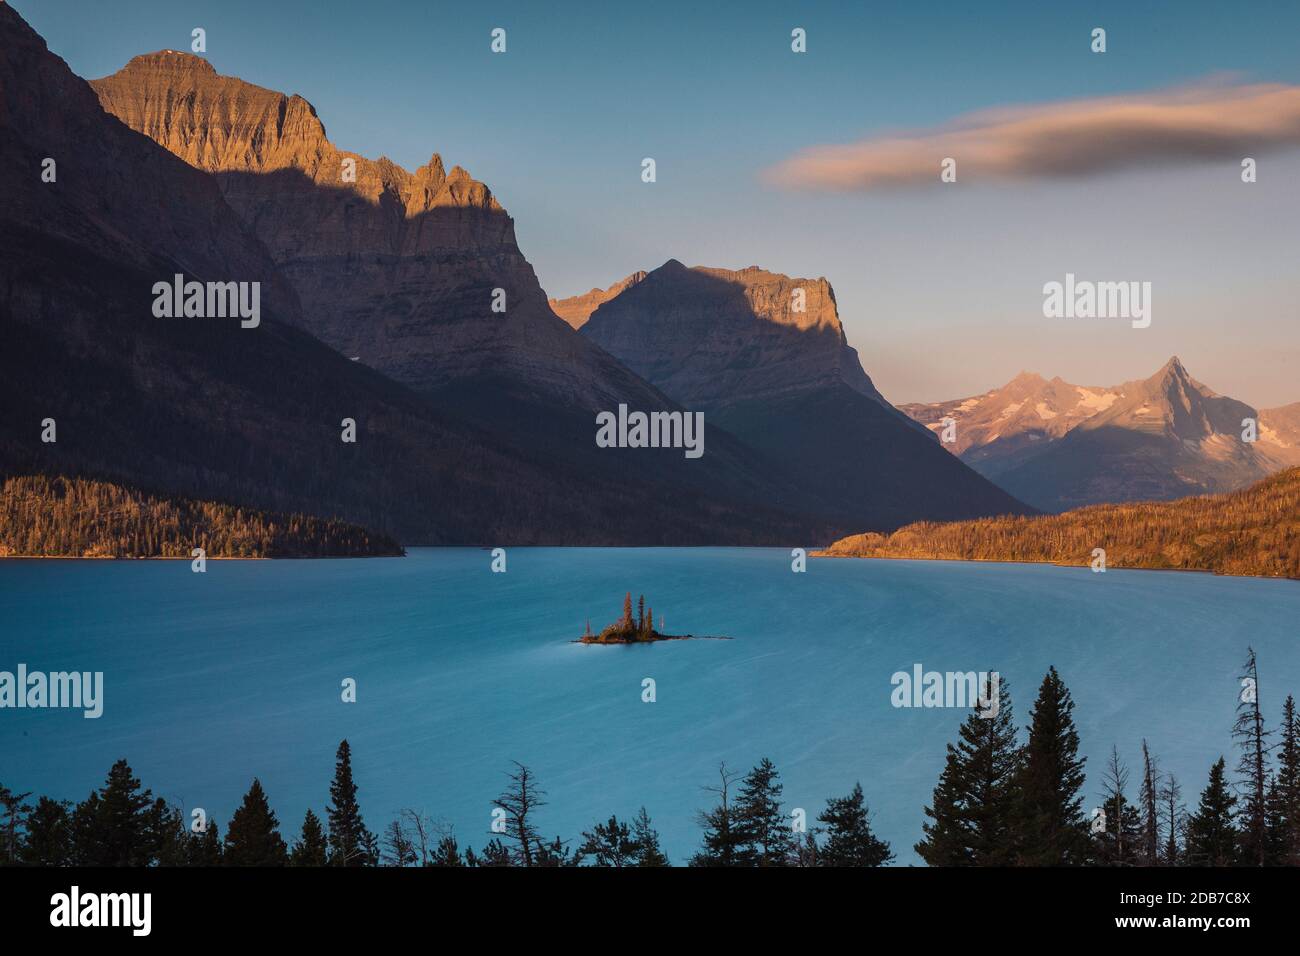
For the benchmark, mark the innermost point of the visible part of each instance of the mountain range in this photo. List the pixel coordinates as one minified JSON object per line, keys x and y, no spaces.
{"x":399,"y":300}
{"x":765,"y":356}
{"x":1059,"y":446}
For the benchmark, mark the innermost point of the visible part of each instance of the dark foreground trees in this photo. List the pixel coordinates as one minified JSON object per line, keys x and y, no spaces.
{"x":998,"y":801}
{"x":974,"y":806}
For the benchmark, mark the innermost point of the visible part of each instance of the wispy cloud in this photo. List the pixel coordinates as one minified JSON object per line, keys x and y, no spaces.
{"x":1073,"y":138}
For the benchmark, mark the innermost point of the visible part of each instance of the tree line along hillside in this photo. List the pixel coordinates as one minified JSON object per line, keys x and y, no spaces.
{"x":1255,"y":531}
{"x":62,"y":517}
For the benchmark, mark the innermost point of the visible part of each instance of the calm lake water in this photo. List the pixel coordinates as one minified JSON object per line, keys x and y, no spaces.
{"x":212,"y":679}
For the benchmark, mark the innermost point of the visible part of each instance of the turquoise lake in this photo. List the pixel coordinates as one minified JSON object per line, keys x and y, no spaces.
{"x":212,"y":679}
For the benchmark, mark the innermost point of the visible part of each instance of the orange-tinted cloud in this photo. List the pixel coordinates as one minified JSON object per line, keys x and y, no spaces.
{"x":1073,"y":138}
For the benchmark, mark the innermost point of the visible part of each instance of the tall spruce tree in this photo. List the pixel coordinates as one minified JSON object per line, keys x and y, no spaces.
{"x":253,"y":837}
{"x":1051,"y":829}
{"x":351,"y":844}
{"x":1211,"y":832}
{"x":1285,"y":810}
{"x":117,"y":827}
{"x":974,"y":804}
{"x":765,"y":837}
{"x":646,"y":837}
{"x":172,"y":838}
{"x":723,"y":840}
{"x":84,"y":824}
{"x":849,"y":839}
{"x":1251,"y":737}
{"x":312,"y":847}
{"x":49,"y":834}
{"x":13,"y":812}
{"x":204,"y":849}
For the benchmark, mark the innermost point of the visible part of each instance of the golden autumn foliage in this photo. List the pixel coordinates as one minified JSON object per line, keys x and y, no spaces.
{"x":1254,"y":531}
{"x":57,"y":517}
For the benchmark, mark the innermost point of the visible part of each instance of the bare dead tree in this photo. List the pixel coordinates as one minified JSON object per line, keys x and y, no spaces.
{"x":1150,"y":809}
{"x":417,"y":827}
{"x":1175,"y":817}
{"x":520,"y":801}
{"x":1115,"y":785}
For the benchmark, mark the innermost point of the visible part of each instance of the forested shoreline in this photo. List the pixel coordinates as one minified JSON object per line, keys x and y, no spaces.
{"x":1255,"y":531}
{"x":62,"y":517}
{"x":998,"y":802}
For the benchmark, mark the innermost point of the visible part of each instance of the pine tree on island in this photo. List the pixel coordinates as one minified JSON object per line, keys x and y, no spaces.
{"x":630,"y":628}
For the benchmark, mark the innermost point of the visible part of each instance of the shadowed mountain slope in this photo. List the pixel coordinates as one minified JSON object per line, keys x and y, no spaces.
{"x":784,"y":379}
{"x":202,"y":408}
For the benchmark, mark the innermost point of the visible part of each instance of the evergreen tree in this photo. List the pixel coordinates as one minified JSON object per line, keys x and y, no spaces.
{"x":640,"y":613}
{"x":172,"y":837}
{"x":849,"y":840}
{"x":627,"y":611}
{"x":204,"y":849}
{"x":253,"y":837}
{"x":311,"y":848}
{"x":609,"y":844}
{"x":1251,"y":737}
{"x":49,"y":834}
{"x":85,"y":832}
{"x":1286,"y":789}
{"x":1275,"y":825}
{"x":447,"y":853}
{"x":646,"y":838}
{"x":119,"y":827}
{"x":555,"y":853}
{"x":1211,"y":834}
{"x":13,"y":811}
{"x":1050,"y":827}
{"x":765,"y":838}
{"x":974,"y":804}
{"x":723,"y":839}
{"x":351,"y":844}
{"x":495,"y":853}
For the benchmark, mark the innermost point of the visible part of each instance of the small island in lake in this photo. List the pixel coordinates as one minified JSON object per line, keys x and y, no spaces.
{"x":632,"y":630}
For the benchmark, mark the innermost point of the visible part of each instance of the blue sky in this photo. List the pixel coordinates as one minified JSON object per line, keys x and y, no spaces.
{"x":939,"y":289}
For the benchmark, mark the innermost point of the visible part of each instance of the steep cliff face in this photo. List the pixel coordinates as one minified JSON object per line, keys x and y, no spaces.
{"x":774,"y":368}
{"x":395,"y":268}
{"x":204,"y":408}
{"x":110,"y":188}
{"x":708,"y":337}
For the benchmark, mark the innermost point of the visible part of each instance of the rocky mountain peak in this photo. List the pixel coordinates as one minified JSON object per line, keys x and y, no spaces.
{"x":394,"y":267}
{"x":711,"y":336}
{"x":173,"y":61}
